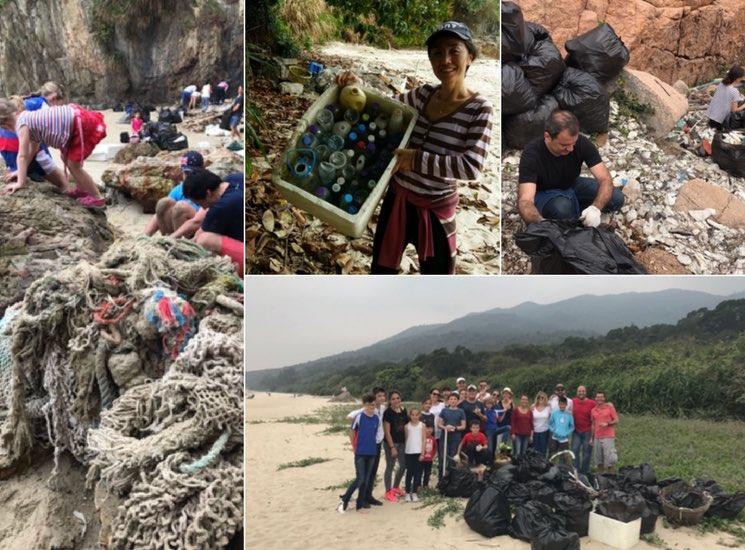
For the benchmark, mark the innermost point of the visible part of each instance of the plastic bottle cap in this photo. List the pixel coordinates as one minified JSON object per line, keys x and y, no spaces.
{"x":350,"y":153}
{"x":361,"y":145}
{"x":371,"y":139}
{"x":340,"y":181}
{"x":361,"y":128}
{"x":352,"y":136}
{"x":347,"y":198}
{"x":336,"y":188}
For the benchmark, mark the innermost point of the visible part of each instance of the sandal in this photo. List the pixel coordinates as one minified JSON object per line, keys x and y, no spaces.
{"x":92,"y":202}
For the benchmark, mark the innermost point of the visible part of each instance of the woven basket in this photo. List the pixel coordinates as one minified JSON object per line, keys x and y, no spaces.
{"x":683,"y":516}
{"x":299,"y":74}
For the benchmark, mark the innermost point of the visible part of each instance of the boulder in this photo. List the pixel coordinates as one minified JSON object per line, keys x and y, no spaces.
{"x":134,"y":150}
{"x":669,"y":104}
{"x":146,"y":179}
{"x":681,"y":87}
{"x":698,"y":195}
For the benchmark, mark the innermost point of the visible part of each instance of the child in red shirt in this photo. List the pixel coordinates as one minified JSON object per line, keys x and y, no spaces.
{"x":475,"y":446}
{"x":428,"y":454}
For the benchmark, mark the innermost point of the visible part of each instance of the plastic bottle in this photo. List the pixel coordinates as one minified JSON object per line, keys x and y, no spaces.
{"x":308,"y":140}
{"x":352,"y":139}
{"x":342,"y":128}
{"x":326,"y":172}
{"x":322,"y":152}
{"x":396,"y":122}
{"x":360,"y":163}
{"x":359,"y":197}
{"x":300,"y":165}
{"x":361,"y":129}
{"x":322,"y":192}
{"x":371,"y":184}
{"x":338,"y":159}
{"x":373,"y":127}
{"x":381,"y":121}
{"x":345,"y":200}
{"x":335,"y":143}
{"x":352,"y":209}
{"x":349,"y":172}
{"x":325,"y":120}
{"x":351,"y":116}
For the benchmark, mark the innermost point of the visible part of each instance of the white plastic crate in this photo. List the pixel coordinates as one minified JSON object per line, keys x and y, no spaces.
{"x":352,"y":225}
{"x":614,"y":533}
{"x":106,"y":151}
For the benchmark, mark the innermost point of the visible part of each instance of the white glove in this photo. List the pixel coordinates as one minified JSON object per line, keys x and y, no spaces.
{"x":456,"y":458}
{"x":590,"y":216}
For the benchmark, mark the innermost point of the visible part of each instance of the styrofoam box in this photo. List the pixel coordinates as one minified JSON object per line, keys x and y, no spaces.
{"x":106,"y":151}
{"x":352,"y":225}
{"x":614,"y":533}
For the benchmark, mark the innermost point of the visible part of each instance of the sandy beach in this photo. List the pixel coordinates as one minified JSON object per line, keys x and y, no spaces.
{"x":292,"y":509}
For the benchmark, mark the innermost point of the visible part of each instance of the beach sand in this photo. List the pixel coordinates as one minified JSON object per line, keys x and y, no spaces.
{"x":290,"y":509}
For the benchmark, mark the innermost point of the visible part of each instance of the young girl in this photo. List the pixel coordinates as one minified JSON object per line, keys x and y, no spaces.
{"x":541,"y":415}
{"x":71,"y":129}
{"x":137,"y":122}
{"x":522,"y":426}
{"x":42,"y":167}
{"x":428,"y":454}
{"x":726,"y":101}
{"x":414,"y":449}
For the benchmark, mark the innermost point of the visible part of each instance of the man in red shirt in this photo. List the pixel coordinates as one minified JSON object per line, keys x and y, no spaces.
{"x":604,"y":420}
{"x":581,"y":411}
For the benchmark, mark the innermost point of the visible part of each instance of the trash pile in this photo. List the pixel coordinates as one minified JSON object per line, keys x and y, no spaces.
{"x":282,"y":239}
{"x":683,"y":214}
{"x":343,"y":154}
{"x":536,"y":80}
{"x":134,"y":366}
{"x":549,"y":505}
{"x":148,"y":179}
{"x":44,"y":231}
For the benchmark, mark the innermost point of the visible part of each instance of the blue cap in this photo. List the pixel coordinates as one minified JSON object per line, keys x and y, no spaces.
{"x":191,"y":160}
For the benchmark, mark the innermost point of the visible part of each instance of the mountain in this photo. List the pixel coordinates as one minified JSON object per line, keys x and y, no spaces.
{"x":526,"y":323}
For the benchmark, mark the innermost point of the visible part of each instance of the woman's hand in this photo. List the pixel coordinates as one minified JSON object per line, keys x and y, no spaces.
{"x":346,"y":78}
{"x":404,"y":159}
{"x":11,"y":188}
{"x":394,"y":452}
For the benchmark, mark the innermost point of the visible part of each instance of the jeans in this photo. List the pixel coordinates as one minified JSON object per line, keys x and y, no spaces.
{"x":492,"y":437}
{"x":413,"y":473}
{"x":362,"y":467}
{"x":390,"y":463}
{"x":370,"y":485}
{"x":426,"y":468}
{"x":540,"y":442}
{"x":520,"y":445}
{"x":581,"y":446}
{"x":503,"y":435}
{"x":567,"y":204}
{"x":205,"y":103}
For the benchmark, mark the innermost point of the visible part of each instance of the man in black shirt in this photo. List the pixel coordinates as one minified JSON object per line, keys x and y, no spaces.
{"x":549,"y":179}
{"x":473,"y":408}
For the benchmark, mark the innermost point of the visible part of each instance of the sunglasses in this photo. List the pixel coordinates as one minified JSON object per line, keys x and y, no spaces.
{"x":436,"y":394}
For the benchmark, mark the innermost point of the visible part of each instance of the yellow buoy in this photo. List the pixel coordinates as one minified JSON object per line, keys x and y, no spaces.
{"x":352,"y":97}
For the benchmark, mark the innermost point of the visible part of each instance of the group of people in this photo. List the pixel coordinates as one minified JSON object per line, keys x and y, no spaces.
{"x":470,"y":423}
{"x":204,"y":207}
{"x":193,"y":97}
{"x":31,"y":124}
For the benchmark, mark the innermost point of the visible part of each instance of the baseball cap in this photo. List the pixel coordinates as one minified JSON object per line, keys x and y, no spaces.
{"x":460,"y":379}
{"x":508,"y":390}
{"x":559,"y":386}
{"x":472,"y":387}
{"x":191,"y":160}
{"x":450,"y":27}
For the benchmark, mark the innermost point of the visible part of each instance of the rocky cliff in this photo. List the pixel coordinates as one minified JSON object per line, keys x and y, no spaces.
{"x":691,"y":40}
{"x":104,"y":51}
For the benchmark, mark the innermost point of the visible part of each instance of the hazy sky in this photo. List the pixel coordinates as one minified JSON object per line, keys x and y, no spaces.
{"x":293,"y":319}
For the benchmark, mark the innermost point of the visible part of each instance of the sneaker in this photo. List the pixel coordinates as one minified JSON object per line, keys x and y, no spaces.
{"x":407,"y":498}
{"x":374,"y":502}
{"x":391,"y":496}
{"x":342,"y":506}
{"x":414,"y":497}
{"x":400,"y":492}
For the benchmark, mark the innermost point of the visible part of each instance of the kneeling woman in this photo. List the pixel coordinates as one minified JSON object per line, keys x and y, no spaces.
{"x":449,"y":143}
{"x":71,"y":129}
{"x":725,"y":106}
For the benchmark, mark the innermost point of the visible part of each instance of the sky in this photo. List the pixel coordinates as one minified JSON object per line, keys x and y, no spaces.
{"x":294,"y":319}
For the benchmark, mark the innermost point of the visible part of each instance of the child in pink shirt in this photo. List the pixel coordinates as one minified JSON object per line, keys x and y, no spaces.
{"x":428,"y":455}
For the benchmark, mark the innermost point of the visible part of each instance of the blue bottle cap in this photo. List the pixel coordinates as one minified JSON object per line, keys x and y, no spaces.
{"x":352,"y":136}
{"x":347,"y":198}
{"x":361,"y":128}
{"x":352,"y":209}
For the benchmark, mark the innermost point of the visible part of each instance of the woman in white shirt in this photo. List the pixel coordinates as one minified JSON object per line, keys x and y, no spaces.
{"x":726,"y":101}
{"x":541,"y":416}
{"x":206,"y":92}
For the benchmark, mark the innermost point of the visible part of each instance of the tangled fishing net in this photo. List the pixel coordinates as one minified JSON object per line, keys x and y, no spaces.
{"x":134,"y":366}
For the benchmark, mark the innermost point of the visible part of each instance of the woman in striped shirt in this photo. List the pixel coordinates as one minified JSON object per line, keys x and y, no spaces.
{"x":71,"y":129}
{"x":449,"y":143}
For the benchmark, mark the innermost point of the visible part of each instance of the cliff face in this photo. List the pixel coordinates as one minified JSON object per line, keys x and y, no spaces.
{"x":690,"y":40}
{"x":150,"y":54}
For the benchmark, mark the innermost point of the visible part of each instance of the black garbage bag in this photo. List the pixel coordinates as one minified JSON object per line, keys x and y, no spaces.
{"x":517,"y":493}
{"x":648,"y":492}
{"x":708,"y":485}
{"x":518,"y":130}
{"x":541,"y":491}
{"x":566,"y":247}
{"x":643,"y":473}
{"x":458,"y":482}
{"x":685,"y":499}
{"x":518,"y":95}
{"x":554,"y":539}
{"x":225,"y":120}
{"x":729,"y":157}
{"x":727,"y":506}
{"x":576,"y":510}
{"x":532,"y":517}
{"x":167,"y":115}
{"x":516,"y":42}
{"x":537,"y":462}
{"x":649,"y":517}
{"x":488,"y":512}
{"x":174,"y":142}
{"x":620,"y":505}
{"x":668,"y":481}
{"x":584,"y":95}
{"x":505,"y":473}
{"x":542,"y":63}
{"x":599,"y":52}
{"x":553,"y":475}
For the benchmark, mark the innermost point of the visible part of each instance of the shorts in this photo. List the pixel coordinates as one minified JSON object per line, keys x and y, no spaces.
{"x":234,"y":120}
{"x":88,"y":129}
{"x":235,"y":250}
{"x":605,"y":452}
{"x":45,"y":161}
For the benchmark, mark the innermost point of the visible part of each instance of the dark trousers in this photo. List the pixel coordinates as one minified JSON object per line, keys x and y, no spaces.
{"x":426,"y":468}
{"x":439,"y":264}
{"x":362,"y":466}
{"x":540,"y":442}
{"x":373,"y":474}
{"x":557,"y":446}
{"x":476,"y":457}
{"x":413,"y":473}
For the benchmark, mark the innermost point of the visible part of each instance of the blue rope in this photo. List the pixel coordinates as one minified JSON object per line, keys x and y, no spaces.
{"x":208,"y":458}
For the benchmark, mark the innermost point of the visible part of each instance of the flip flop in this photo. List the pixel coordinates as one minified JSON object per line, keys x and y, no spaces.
{"x":92,"y":203}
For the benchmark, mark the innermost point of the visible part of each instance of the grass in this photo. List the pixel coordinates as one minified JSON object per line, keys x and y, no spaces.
{"x":443,"y":507}
{"x":732,"y":527}
{"x":338,"y":486}
{"x":303,"y":463}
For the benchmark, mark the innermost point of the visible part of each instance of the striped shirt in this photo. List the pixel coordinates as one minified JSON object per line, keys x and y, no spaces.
{"x":450,"y":148}
{"x":52,"y":126}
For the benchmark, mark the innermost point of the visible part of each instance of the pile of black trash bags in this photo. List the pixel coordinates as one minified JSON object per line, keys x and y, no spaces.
{"x":536,"y":79}
{"x":539,"y":502}
{"x":165,"y":135}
